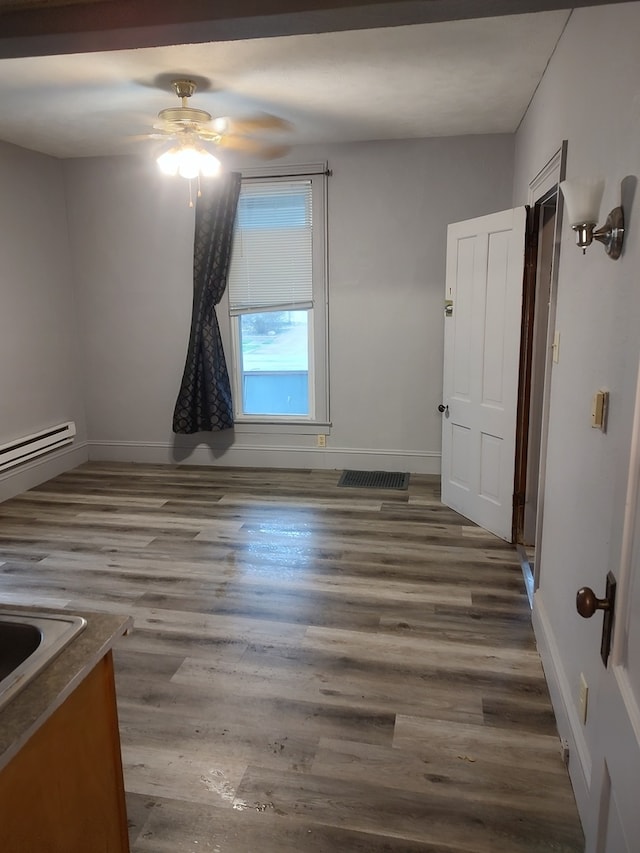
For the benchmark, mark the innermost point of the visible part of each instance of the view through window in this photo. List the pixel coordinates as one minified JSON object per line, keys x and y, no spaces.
{"x":274,"y":352}
{"x":273,"y":292}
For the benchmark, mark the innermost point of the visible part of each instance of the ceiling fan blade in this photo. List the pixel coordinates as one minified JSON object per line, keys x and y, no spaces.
{"x":208,"y":135}
{"x":166,"y":126}
{"x":256,"y":124}
{"x":146,"y":137}
{"x":241,"y":143}
{"x":273,"y":152}
{"x":253,"y":146}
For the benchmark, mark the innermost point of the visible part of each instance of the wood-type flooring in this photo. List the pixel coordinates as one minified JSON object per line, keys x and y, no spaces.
{"x":312,"y":669}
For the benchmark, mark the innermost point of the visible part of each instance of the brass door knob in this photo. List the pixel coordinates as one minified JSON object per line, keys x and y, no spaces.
{"x":587,"y":602}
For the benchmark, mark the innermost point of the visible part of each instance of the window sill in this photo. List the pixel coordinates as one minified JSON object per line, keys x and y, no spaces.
{"x":287,"y":427}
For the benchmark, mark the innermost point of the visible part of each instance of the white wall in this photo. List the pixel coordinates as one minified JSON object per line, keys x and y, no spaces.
{"x":132,"y":246}
{"x":589,"y":96}
{"x":389,"y":204}
{"x":39,"y":358}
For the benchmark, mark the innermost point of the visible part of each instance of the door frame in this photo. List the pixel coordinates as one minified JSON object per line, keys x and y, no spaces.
{"x":542,"y":188}
{"x":529,"y":288}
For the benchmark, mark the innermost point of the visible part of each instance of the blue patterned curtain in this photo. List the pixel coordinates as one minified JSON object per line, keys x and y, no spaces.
{"x":204,"y":403}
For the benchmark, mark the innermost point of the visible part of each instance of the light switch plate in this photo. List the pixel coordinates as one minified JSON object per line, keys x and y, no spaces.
{"x":556,"y":346}
{"x":599,"y":409}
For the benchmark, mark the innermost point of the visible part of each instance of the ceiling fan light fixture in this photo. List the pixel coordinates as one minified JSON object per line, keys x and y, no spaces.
{"x":189,"y":161}
{"x":168,"y":162}
{"x":191,"y":132}
{"x":209,"y":165}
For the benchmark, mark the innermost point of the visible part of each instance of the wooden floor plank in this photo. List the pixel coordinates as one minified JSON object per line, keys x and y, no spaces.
{"x":405,"y":814}
{"x":312,"y":668}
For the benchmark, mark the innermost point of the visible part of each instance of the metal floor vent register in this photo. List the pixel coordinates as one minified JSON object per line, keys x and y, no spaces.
{"x":375,"y":479}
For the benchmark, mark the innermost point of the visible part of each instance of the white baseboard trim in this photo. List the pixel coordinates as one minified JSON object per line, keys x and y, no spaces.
{"x":24,"y":477}
{"x":265,"y":456}
{"x":569,"y":725}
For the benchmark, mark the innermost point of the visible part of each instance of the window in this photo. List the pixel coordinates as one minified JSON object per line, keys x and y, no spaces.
{"x":277,"y":300}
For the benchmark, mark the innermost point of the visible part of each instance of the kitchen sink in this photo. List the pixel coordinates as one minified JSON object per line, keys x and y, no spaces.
{"x":28,"y":642}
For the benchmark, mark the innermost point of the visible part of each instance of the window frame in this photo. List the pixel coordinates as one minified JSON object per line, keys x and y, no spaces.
{"x":318,"y":366}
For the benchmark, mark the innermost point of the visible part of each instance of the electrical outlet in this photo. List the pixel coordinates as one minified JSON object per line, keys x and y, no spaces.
{"x":584,"y":698}
{"x":321,"y":441}
{"x":564,"y":751}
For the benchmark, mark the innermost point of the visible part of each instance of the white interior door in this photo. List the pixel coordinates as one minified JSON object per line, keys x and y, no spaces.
{"x":485,"y":268}
{"x":615,"y":783}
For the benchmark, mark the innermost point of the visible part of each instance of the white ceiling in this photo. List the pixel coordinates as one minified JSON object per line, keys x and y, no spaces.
{"x":437,"y":79}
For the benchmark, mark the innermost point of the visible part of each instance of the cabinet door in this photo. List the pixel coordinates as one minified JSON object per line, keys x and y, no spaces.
{"x":63,"y":792}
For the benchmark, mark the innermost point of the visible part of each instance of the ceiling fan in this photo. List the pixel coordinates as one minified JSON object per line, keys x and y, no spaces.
{"x":190,"y":130}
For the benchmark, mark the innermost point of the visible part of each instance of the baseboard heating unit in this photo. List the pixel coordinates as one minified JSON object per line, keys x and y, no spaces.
{"x":30,"y":446}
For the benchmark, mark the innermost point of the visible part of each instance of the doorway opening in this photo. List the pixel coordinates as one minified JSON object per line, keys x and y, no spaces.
{"x":539,"y":348}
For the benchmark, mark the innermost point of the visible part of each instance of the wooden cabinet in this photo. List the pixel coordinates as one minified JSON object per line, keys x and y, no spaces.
{"x":63,"y":792}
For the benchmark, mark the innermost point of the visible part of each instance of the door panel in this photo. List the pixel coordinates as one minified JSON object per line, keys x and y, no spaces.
{"x":615,"y":784}
{"x":496,"y":303}
{"x":460,"y":438}
{"x":616,"y":775}
{"x":633,"y":636}
{"x":490,"y":458}
{"x":485,"y":266}
{"x":614,"y":834}
{"x":461,"y":351}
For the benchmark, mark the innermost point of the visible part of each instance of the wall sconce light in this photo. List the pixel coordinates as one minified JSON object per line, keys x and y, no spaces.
{"x":583,"y":198}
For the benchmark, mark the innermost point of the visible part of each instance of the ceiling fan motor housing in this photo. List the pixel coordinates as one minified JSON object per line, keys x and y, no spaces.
{"x":184,"y":115}
{"x":191,"y":127}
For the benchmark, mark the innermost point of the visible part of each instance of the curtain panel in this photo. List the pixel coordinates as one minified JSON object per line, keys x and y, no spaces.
{"x":204,"y":402}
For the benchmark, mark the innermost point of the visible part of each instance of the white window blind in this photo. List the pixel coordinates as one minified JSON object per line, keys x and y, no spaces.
{"x":271,"y":263}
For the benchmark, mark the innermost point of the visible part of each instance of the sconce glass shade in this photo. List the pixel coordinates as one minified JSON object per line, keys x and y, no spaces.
{"x":582,"y":198}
